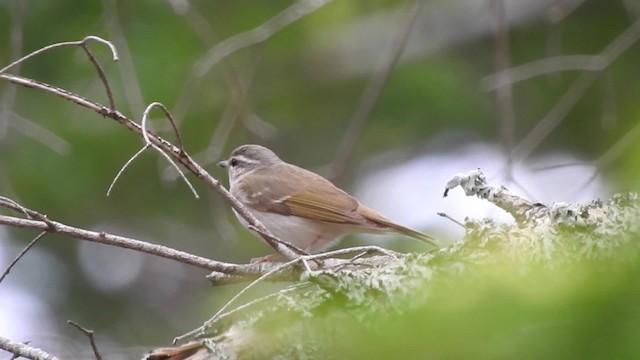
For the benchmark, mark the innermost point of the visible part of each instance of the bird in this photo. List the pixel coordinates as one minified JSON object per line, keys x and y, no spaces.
{"x":299,"y":206}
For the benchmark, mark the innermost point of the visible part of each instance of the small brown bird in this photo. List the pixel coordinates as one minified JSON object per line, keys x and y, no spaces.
{"x":299,"y":206}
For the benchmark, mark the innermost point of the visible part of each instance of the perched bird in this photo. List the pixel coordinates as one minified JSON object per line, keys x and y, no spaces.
{"x":299,"y":206}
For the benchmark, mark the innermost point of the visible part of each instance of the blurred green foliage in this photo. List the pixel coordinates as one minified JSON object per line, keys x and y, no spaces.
{"x":585,"y":310}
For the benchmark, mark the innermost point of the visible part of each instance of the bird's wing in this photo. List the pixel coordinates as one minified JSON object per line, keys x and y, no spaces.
{"x":310,"y":196}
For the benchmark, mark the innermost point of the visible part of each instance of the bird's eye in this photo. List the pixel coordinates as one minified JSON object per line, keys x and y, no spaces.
{"x":234,"y":162}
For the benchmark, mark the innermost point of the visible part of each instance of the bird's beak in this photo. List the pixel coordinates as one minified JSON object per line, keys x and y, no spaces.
{"x":223,"y":164}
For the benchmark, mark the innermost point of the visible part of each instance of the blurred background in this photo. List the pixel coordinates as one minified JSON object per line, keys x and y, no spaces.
{"x":389,"y":99}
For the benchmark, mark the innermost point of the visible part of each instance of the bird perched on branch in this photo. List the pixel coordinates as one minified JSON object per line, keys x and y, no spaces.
{"x":299,"y":206}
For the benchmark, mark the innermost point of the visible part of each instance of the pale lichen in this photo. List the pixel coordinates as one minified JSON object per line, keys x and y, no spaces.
{"x":308,"y":322}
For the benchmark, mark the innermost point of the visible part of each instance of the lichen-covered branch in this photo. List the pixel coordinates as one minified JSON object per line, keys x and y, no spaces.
{"x":324,"y":314}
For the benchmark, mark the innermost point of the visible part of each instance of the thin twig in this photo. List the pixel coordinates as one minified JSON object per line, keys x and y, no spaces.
{"x":270,"y":239}
{"x":16,"y":41}
{"x":35,"y":131}
{"x":127,"y":243}
{"x":89,"y":334}
{"x":163,"y":144}
{"x":372,"y":92}
{"x":540,"y":67}
{"x":31,"y":214}
{"x":329,"y":261}
{"x":207,"y":324}
{"x":127,"y":72}
{"x":145,"y":135}
{"x":280,"y":267}
{"x":24,"y":350}
{"x":240,"y":41}
{"x":83,"y":44}
{"x":630,"y":138}
{"x":209,"y":38}
{"x":167,"y":113}
{"x":446,"y":216}
{"x":562,"y":9}
{"x":21,"y":254}
{"x":63,"y":44}
{"x":100,"y":71}
{"x":126,"y":165}
{"x":504,"y":94}
{"x":254,"y":302}
{"x":547,"y":124}
{"x":10,"y":204}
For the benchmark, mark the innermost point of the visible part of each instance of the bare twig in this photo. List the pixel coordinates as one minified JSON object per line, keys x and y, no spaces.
{"x":372,"y":92}
{"x":360,"y":251}
{"x":240,"y":41}
{"x":562,"y":9}
{"x":504,"y":94}
{"x":474,"y":183}
{"x":167,"y":148}
{"x":207,"y":324}
{"x":257,"y":35}
{"x":126,"y":243}
{"x":630,"y":138}
{"x":10,"y":204}
{"x":209,"y":38}
{"x":329,"y":261}
{"x":575,"y":92}
{"x":239,"y":90}
{"x":271,"y":240}
{"x":16,"y":44}
{"x":89,"y":334}
{"x":33,"y":130}
{"x":126,"y":165}
{"x":231,"y":114}
{"x":24,"y":350}
{"x":63,"y":44}
{"x":128,"y":73}
{"x":541,"y":67}
{"x":21,"y":254}
{"x":254,"y":302}
{"x":446,"y":216}
{"x":224,"y":273}
{"x":103,"y":77}
{"x":33,"y":215}
{"x":166,"y":112}
{"x":148,"y":143}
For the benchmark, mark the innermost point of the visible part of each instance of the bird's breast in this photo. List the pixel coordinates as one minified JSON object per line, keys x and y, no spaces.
{"x":309,"y":235}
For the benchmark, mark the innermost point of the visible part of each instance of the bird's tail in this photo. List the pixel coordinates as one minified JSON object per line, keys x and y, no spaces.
{"x":384,"y":224}
{"x":417,"y":235}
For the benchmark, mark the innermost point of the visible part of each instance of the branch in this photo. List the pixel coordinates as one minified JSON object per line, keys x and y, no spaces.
{"x":553,"y":118}
{"x":24,"y":350}
{"x":372,"y":92}
{"x":474,"y":183}
{"x":21,"y":254}
{"x":290,"y":268}
{"x":89,"y":334}
{"x":126,"y":243}
{"x":287,"y":250}
{"x":243,"y":40}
